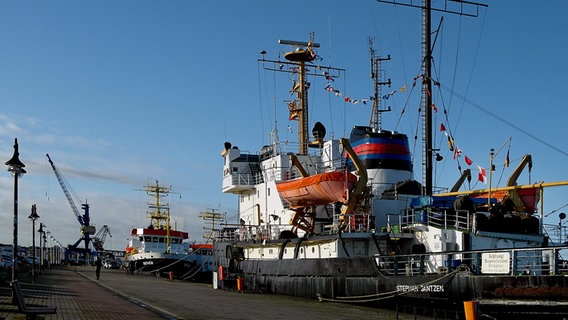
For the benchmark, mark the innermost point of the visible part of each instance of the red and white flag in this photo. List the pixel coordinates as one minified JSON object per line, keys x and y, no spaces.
{"x":482,"y":176}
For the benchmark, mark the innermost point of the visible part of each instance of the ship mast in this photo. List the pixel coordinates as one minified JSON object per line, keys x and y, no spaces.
{"x":159,"y":212}
{"x":427,"y":158}
{"x":304,"y":53}
{"x":299,"y":62}
{"x":464,"y":8}
{"x":376,"y":73}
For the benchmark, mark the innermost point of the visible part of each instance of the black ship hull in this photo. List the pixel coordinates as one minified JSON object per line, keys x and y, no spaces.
{"x":359,"y":280}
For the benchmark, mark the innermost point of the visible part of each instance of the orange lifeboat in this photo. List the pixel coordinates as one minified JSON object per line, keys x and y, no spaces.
{"x":319,"y":189}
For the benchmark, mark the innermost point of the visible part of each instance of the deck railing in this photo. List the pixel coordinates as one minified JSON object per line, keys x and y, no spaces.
{"x":518,"y":261}
{"x":461,"y":220}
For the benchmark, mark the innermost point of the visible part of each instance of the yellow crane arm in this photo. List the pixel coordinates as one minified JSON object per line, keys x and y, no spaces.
{"x":360,"y":192}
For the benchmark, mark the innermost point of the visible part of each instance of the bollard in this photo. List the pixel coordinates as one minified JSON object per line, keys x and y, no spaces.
{"x":470,"y":308}
{"x":171,"y":276}
{"x":240,"y":284}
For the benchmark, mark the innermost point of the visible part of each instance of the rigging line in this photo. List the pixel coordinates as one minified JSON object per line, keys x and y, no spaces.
{"x":510,"y":124}
{"x":503,"y":167}
{"x":456,"y":63}
{"x":501,"y":175}
{"x":476,"y":53}
{"x":400,"y":42}
{"x":418,"y":116}
{"x":259,"y":103}
{"x":329,"y":100}
{"x":555,"y":210}
{"x":407,"y":101}
{"x":447,"y":120}
{"x":344,"y":103}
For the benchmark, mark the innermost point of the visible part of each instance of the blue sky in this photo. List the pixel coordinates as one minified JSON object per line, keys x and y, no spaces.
{"x":121,"y":93}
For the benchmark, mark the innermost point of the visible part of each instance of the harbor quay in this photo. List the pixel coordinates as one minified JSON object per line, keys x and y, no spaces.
{"x":76,"y":294}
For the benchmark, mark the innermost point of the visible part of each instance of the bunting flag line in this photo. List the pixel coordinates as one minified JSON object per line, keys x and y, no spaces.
{"x":507,"y":160}
{"x":327,"y":77}
{"x":457,"y":152}
{"x":453,"y":147}
{"x":388,"y":95}
{"x":328,"y":87}
{"x":482,"y":176}
{"x":451,"y":143}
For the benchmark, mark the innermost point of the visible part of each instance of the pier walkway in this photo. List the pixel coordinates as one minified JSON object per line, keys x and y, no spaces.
{"x":78,"y":295}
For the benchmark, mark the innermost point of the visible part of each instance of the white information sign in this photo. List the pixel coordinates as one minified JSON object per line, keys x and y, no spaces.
{"x":496,"y":263}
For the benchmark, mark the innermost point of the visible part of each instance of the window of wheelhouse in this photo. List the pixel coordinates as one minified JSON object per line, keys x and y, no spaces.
{"x":161,"y":240}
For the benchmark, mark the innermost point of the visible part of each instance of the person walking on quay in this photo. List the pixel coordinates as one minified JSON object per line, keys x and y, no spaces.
{"x":98,"y":264}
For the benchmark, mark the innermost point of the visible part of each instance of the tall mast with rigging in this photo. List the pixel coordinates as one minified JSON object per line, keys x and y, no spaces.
{"x":463,"y":8}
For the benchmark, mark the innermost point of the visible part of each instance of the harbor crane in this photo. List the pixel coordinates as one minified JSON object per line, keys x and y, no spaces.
{"x":74,"y":254}
{"x":100,"y":237}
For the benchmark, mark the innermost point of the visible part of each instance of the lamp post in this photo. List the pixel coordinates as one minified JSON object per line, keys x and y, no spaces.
{"x":16,"y":167}
{"x":41,"y":232}
{"x":45,"y":248}
{"x":562,"y":216}
{"x":33,"y":216}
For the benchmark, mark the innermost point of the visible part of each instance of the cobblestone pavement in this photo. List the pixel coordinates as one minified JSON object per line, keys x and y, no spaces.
{"x":78,"y":295}
{"x":75,"y":296}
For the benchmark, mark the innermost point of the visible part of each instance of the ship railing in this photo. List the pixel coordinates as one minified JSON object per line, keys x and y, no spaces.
{"x":250,"y":232}
{"x":461,"y":220}
{"x":557,"y":233}
{"x":514,"y":261}
{"x":355,"y":223}
{"x":226,"y":235}
{"x":246,"y":179}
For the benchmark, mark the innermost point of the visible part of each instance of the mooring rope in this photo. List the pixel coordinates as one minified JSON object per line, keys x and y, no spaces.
{"x":385,"y":295}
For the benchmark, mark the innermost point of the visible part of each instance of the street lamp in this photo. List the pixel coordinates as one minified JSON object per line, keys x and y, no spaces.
{"x":16,"y":167}
{"x":40,"y":231}
{"x":562,"y":216}
{"x":33,"y":216}
{"x":45,"y":248}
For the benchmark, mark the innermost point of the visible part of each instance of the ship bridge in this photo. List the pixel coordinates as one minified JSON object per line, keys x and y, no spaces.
{"x":241,"y":171}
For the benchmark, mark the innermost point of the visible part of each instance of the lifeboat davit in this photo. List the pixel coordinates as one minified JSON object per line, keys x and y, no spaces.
{"x":319,"y":189}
